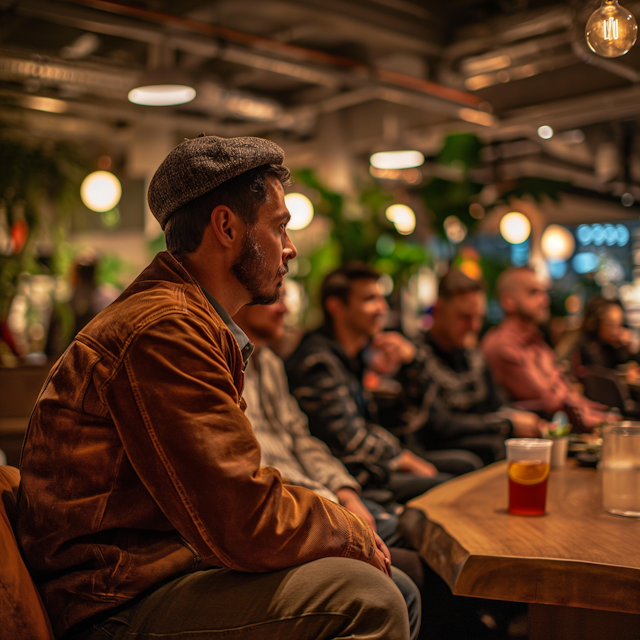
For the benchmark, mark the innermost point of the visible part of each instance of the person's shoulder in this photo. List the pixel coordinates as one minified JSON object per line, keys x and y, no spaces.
{"x":161,"y":294}
{"x":499,"y":342}
{"x":269,"y":359}
{"x":312,"y":342}
{"x":492,"y":337}
{"x":316,"y":349}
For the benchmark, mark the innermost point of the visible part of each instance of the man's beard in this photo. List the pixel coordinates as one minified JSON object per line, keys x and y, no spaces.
{"x":250,"y":271}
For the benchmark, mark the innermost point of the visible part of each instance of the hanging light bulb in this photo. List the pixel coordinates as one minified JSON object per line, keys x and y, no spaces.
{"x":611,"y":30}
{"x":515,"y":227}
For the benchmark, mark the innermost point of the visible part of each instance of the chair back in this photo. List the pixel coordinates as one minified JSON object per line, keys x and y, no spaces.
{"x":602,"y":385}
{"x":22,"y":614}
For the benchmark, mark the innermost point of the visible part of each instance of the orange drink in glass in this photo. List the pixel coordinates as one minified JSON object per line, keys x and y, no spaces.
{"x":528,"y":462}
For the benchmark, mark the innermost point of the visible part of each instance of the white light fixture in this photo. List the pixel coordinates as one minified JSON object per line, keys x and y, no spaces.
{"x":611,"y":30}
{"x":100,"y":191}
{"x":515,"y":227}
{"x":301,"y":210}
{"x":396,"y":159}
{"x":162,"y":88}
{"x":403,"y":218}
{"x":557,"y":243}
{"x":545,"y":132}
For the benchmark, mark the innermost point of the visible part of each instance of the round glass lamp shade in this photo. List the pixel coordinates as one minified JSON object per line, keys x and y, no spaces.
{"x":557,"y":243}
{"x":515,"y":227}
{"x":100,"y":191}
{"x":611,"y":30}
{"x":301,"y":210}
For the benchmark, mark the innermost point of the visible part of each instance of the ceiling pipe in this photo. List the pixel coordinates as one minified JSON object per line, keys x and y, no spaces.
{"x":194,"y":44}
{"x":298,"y":53}
{"x":581,"y":50}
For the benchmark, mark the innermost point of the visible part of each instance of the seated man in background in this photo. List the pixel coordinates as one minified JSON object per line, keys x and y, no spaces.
{"x":449,"y":399}
{"x":325,"y":375}
{"x":143,"y":510}
{"x":282,"y":430}
{"x":523,"y":363}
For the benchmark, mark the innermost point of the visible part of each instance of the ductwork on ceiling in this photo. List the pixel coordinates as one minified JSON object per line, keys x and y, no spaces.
{"x":517,"y":48}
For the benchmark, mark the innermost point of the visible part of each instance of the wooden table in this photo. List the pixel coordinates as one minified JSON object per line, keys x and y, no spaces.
{"x":578,"y":566}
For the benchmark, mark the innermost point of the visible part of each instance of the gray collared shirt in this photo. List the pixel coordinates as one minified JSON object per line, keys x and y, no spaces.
{"x":246,"y":346}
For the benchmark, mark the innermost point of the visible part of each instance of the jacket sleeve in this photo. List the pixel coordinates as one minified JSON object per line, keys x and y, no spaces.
{"x":447,"y":424}
{"x":322,"y":389}
{"x":175,"y":406}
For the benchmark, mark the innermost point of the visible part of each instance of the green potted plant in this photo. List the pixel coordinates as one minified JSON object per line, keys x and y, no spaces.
{"x":39,"y":184}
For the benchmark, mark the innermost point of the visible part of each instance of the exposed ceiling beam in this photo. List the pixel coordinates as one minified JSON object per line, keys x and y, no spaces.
{"x":357,"y":70}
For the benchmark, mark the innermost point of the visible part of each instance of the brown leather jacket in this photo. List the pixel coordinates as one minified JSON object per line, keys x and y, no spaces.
{"x":139,"y":463}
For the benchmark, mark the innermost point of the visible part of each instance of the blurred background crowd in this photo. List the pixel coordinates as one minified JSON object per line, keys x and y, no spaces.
{"x":424,"y":139}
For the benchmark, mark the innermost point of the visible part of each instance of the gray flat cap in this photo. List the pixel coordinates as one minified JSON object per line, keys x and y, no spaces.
{"x":199,"y":165}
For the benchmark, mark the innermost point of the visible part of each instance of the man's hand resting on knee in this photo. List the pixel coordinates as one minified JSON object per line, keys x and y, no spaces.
{"x":382,"y":559}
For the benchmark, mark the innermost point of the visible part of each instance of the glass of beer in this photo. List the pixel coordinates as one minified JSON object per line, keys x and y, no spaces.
{"x":529,"y":462}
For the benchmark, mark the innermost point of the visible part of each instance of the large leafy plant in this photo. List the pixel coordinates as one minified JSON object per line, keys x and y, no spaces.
{"x":366,"y":236}
{"x":39,"y":184}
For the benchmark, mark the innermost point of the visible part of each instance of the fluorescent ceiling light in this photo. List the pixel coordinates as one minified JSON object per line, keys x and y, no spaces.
{"x":162,"y":95}
{"x":396,"y":159}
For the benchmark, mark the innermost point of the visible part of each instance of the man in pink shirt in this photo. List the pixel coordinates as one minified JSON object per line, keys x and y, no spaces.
{"x":523,"y":363}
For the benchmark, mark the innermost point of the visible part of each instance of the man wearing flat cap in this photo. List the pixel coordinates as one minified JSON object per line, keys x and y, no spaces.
{"x":143,"y":510}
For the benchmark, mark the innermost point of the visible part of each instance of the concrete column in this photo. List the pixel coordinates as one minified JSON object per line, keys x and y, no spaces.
{"x":334,"y":162}
{"x":149,"y":146}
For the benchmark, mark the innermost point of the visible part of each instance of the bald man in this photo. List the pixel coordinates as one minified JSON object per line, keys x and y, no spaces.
{"x":523,"y":363}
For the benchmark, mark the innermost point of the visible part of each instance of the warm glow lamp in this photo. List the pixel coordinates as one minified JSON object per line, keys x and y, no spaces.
{"x":403,"y":218}
{"x":100,"y":191}
{"x":301,"y":210}
{"x":515,"y":227}
{"x":557,"y":243}
{"x":611,"y":30}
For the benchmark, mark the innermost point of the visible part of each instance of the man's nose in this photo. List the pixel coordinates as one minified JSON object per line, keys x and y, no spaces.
{"x":289,"y":252}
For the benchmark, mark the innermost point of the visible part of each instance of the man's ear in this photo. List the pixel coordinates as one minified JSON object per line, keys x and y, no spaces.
{"x":333,"y":305}
{"x":226,"y":226}
{"x":507,"y":302}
